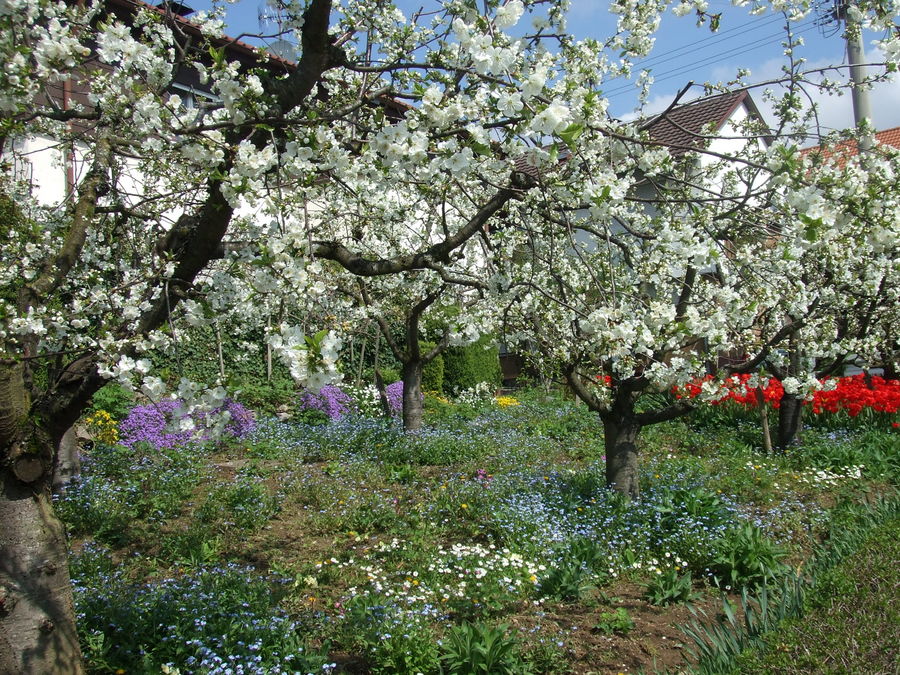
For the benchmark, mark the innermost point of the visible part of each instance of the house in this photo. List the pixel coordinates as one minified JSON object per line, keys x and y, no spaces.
{"x":710,"y":123}
{"x":844,"y":150}
{"x":52,"y":168}
{"x":700,"y":135}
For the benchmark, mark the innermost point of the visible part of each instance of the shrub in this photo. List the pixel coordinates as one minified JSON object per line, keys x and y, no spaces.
{"x":102,"y":427}
{"x":465,"y":367}
{"x":265,"y":397}
{"x":114,"y":399}
{"x":433,"y":371}
{"x":477,"y":648}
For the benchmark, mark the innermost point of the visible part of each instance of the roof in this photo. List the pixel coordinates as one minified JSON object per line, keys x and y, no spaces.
{"x":687,"y":127}
{"x":235,"y":47}
{"x":246,"y":53}
{"x":847,"y":149}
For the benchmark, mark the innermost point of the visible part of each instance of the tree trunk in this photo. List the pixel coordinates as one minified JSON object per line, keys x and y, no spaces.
{"x":790,"y":417}
{"x":764,"y":418}
{"x":620,"y":437}
{"x":37,"y":616}
{"x":382,"y":394}
{"x":413,"y":408}
{"x":68,"y":461}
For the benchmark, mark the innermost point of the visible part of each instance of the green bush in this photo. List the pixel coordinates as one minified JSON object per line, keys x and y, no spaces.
{"x":114,"y":399}
{"x":464,"y":367}
{"x":195,"y":356}
{"x":388,"y":374}
{"x":433,"y":372}
{"x":478,"y":648}
{"x":264,"y":396}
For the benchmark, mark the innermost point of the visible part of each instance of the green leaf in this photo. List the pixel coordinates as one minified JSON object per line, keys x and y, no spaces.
{"x":217,"y":55}
{"x":554,"y":154}
{"x":571,"y":133}
{"x":813,"y":226}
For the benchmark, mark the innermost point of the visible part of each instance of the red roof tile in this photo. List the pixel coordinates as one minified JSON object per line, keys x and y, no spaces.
{"x":846,"y":149}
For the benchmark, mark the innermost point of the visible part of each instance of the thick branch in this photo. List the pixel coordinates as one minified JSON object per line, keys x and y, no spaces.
{"x":670,"y":412}
{"x":319,"y":54}
{"x":786,"y":331}
{"x":581,"y":390}
{"x":429,"y":258}
{"x":55,"y":270}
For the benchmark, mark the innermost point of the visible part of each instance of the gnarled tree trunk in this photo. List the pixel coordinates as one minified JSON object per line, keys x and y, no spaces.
{"x":68,"y":461}
{"x":620,"y":440}
{"x":413,"y":405}
{"x":37,"y":617}
{"x":790,"y":417}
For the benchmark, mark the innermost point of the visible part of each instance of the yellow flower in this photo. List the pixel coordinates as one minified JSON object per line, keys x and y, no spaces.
{"x":465,"y":506}
{"x":506,"y":401}
{"x":103,"y":427}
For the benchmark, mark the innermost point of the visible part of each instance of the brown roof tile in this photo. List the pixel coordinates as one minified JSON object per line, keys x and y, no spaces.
{"x":684,"y":127}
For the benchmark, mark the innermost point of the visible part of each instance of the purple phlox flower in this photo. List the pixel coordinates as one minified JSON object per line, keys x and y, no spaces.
{"x":330,"y":399}
{"x":153,"y":424}
{"x":394,"y":393}
{"x":483,"y":476}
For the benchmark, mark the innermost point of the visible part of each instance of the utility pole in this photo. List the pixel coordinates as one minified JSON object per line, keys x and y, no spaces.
{"x":856,"y":58}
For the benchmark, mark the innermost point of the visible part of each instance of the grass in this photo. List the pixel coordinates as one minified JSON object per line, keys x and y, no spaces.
{"x":852,"y":621}
{"x":353,"y":547}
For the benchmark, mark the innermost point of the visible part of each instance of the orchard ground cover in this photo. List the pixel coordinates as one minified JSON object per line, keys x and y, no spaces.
{"x":486,"y":540}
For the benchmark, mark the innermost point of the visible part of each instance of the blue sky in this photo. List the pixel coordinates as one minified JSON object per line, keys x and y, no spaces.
{"x":684,"y":52}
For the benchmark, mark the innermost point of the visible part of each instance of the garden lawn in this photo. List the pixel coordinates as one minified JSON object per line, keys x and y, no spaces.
{"x":487,"y":540}
{"x":852,"y":624}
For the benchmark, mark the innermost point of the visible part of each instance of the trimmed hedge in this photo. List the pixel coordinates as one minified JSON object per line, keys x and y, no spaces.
{"x":465,"y":367}
{"x":195,"y":357}
{"x":433,"y":372}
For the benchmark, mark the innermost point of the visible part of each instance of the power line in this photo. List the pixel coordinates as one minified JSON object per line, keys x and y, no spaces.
{"x":742,"y":49}
{"x":713,"y":39}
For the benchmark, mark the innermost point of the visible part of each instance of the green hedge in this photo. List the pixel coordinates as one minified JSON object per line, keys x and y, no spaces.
{"x":433,"y":372}
{"x":195,"y":357}
{"x":464,"y":367}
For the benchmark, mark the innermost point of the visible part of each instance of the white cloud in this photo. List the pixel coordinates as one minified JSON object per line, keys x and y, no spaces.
{"x":834,"y":111}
